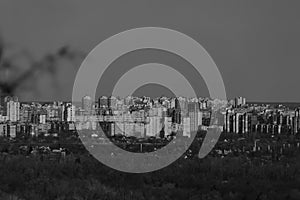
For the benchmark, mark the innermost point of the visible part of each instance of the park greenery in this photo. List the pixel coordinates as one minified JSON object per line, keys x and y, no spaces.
{"x":80,"y":176}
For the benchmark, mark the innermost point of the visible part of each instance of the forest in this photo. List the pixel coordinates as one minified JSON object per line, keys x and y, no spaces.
{"x":80,"y":176}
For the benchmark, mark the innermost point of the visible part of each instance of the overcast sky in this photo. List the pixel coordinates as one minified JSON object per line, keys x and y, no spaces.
{"x":255,"y":44}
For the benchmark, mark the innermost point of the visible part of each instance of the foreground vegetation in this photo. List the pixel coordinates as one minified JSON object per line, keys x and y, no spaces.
{"x":80,"y":176}
{"x":83,"y":177}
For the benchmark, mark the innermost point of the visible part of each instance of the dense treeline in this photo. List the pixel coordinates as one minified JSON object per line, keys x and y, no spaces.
{"x":80,"y":176}
{"x":83,"y":177}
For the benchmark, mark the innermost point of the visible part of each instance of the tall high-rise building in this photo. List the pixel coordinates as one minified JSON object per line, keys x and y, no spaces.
{"x":87,"y":104}
{"x":239,"y":102}
{"x":181,"y":104}
{"x":176,"y":116}
{"x":11,"y":130}
{"x":194,"y":115}
{"x":227,"y":121}
{"x":129,"y":129}
{"x":71,"y":113}
{"x":12,"y":109}
{"x":128,"y":100}
{"x":139,"y":130}
{"x":168,"y":125}
{"x":186,"y":127}
{"x":68,"y":112}
{"x":103,"y":102}
{"x":296,"y":121}
{"x":119,"y":128}
{"x":174,"y":103}
{"x":154,"y":126}
{"x":112,"y":102}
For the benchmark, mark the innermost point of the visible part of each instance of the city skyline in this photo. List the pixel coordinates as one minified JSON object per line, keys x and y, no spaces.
{"x":149,"y":99}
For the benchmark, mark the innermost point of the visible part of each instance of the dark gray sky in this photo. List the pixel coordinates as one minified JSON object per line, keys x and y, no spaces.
{"x":255,"y":44}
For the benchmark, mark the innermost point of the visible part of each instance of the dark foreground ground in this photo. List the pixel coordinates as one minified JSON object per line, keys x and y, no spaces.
{"x":80,"y":176}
